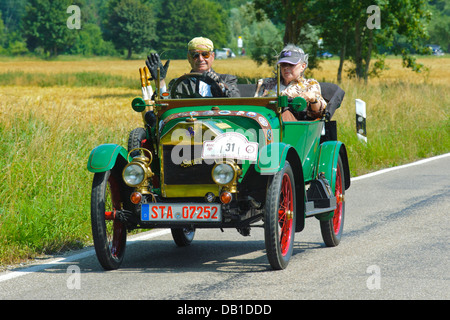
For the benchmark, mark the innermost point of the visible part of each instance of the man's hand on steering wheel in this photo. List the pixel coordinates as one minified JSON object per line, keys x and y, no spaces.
{"x":216,"y":78}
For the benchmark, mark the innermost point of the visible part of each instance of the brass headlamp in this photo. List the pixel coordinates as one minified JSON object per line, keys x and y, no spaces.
{"x":226,"y":173}
{"x":138,"y":171}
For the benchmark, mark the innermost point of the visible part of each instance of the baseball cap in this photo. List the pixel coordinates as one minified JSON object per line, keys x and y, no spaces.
{"x":201,"y":43}
{"x":291,"y":56}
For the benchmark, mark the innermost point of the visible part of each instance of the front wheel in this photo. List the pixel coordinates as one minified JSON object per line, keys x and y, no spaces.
{"x":183,"y":236}
{"x":279,"y":218}
{"x":135,"y":139}
{"x":109,"y":236}
{"x":332,"y":229}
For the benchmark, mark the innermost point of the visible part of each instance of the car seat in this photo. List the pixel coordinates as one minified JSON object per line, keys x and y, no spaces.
{"x":247,"y":90}
{"x":333,"y":95}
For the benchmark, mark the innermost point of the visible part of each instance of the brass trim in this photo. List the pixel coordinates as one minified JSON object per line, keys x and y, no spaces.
{"x":144,"y":163}
{"x":189,"y":190}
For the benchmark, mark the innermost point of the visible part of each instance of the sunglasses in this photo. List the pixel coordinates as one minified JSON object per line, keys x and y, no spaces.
{"x":195,"y":54}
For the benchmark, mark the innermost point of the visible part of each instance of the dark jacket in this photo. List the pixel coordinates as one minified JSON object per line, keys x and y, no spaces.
{"x":230,"y":82}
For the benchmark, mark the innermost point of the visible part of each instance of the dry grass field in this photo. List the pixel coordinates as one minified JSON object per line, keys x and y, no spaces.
{"x":47,"y":132}
{"x":438,"y":68}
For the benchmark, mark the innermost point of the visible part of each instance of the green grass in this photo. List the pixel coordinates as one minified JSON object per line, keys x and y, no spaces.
{"x":45,"y":194}
{"x":77,"y":79}
{"x":395,"y":147}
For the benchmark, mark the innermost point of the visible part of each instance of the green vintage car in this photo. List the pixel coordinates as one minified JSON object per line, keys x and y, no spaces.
{"x":220,"y":163}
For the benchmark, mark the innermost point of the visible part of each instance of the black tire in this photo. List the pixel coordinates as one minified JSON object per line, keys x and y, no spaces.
{"x":332,"y":229}
{"x":135,"y":140}
{"x":280,"y":217}
{"x":183,"y":236}
{"x":109,"y":236}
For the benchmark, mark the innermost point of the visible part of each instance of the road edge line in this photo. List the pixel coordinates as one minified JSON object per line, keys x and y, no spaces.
{"x":87,"y":252}
{"x":412,"y":164}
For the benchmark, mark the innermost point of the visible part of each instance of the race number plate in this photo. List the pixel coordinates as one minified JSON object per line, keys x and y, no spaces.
{"x":230,"y":145}
{"x":177,"y":212}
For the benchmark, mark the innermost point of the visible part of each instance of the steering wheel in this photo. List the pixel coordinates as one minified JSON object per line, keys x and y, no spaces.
{"x":187,"y":91}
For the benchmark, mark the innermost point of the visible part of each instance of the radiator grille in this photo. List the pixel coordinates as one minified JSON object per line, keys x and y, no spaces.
{"x":188,"y":168}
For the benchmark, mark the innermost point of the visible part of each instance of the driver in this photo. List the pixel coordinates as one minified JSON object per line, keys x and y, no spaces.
{"x":201,"y":57}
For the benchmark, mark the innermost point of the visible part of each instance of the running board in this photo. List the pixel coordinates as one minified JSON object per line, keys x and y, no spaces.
{"x":319,"y":197}
{"x":320,"y":206}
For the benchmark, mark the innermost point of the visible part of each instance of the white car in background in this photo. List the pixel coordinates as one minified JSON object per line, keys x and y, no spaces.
{"x":224,"y":53}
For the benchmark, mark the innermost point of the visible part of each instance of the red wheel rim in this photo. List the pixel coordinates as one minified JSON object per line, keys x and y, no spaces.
{"x":286,"y":214}
{"x":118,"y":228}
{"x":337,"y":218}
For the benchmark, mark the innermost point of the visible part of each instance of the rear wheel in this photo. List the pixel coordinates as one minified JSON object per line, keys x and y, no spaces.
{"x":279,"y":218}
{"x":109,"y":235}
{"x":332,"y":229}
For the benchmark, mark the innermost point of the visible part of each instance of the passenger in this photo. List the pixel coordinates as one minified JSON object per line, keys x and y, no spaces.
{"x":201,"y":57}
{"x":293,"y":61}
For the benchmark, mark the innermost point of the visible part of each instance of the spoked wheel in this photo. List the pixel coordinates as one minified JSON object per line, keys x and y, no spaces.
{"x":135,"y":139}
{"x":109,"y":235}
{"x":280,"y":217}
{"x":183,"y":236}
{"x":332,"y":229}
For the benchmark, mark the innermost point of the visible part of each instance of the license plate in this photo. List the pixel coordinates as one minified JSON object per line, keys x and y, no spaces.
{"x":180,"y":212}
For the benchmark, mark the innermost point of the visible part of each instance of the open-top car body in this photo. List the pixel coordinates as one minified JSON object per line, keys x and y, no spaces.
{"x":220,"y":163}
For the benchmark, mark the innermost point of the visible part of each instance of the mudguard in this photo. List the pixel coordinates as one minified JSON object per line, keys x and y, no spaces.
{"x":271,"y":158}
{"x":327,"y":164}
{"x":104,"y":157}
{"x":328,"y":159}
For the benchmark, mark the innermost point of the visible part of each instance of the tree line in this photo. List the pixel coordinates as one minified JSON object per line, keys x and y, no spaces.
{"x":355,"y":30}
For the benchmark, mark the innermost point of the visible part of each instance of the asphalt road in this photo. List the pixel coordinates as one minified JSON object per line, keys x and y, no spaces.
{"x":395,"y":246}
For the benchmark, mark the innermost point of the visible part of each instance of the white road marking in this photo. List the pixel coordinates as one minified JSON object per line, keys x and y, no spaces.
{"x":412,"y":164}
{"x":11,"y":274}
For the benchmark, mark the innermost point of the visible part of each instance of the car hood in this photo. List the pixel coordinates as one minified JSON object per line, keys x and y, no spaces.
{"x":198,"y":124}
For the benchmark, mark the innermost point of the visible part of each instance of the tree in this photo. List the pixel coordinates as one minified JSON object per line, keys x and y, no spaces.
{"x":336,"y":24}
{"x":294,"y":14}
{"x":130,"y":25}
{"x":439,"y":28}
{"x":2,"y":33}
{"x":262,"y":39}
{"x":297,"y":17}
{"x":347,"y":27}
{"x":179,"y":22}
{"x":12,"y":12}
{"x":350,"y":27}
{"x":45,"y":25}
{"x":90,"y":42}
